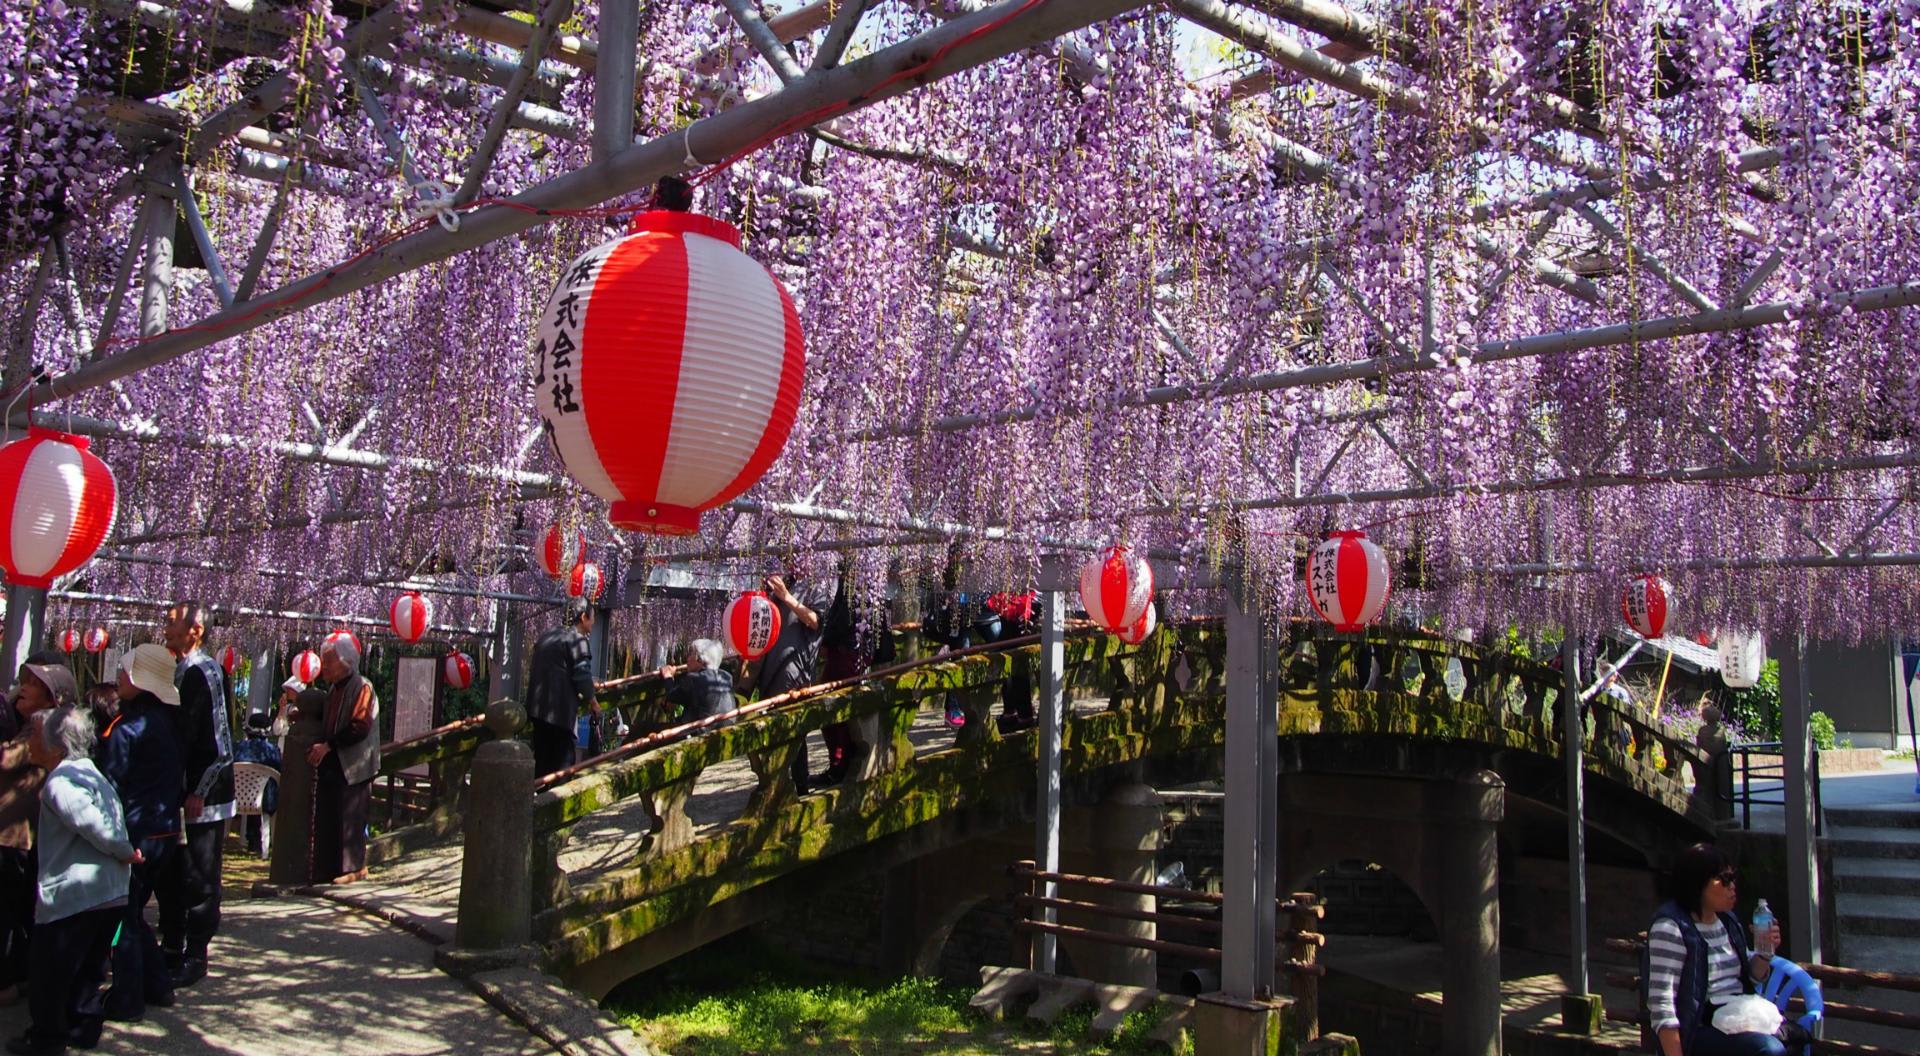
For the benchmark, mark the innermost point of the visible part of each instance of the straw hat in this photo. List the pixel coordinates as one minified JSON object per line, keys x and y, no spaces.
{"x":150,"y":667}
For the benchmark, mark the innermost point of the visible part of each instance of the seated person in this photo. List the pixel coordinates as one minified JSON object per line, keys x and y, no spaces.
{"x":701,"y":687}
{"x":257,"y":747}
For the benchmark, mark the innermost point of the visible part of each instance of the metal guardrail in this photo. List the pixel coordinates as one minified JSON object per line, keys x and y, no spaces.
{"x":1739,"y":792}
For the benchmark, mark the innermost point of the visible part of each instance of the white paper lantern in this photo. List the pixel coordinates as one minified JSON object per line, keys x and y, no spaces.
{"x":1742,"y":656}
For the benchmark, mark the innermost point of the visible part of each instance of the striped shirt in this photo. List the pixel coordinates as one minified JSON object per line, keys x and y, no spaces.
{"x":1667,"y":957}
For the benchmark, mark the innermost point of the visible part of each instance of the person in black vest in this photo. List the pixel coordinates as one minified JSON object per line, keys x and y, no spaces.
{"x":559,"y":680}
{"x":140,"y":755}
{"x":189,"y":892}
{"x":1697,"y":950}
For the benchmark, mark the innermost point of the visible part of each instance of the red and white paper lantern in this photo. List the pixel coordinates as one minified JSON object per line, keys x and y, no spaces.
{"x":229,"y":659}
{"x":752,"y":624}
{"x":1645,"y":604}
{"x":1116,"y":588}
{"x":70,"y":641}
{"x":585,"y":581}
{"x":457,"y":669}
{"x":560,"y":550}
{"x":96,"y":640}
{"x":1142,"y":628}
{"x":410,"y":616}
{"x":306,"y":666}
{"x":57,"y":503}
{"x":669,"y":370}
{"x":1348,"y":580}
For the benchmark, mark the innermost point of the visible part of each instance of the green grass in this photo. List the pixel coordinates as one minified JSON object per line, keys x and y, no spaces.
{"x":741,"y":998}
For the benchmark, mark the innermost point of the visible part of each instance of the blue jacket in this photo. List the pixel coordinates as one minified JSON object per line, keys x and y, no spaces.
{"x":83,"y":843}
{"x":143,"y":760}
{"x":1690,"y":997}
{"x":702,"y":694}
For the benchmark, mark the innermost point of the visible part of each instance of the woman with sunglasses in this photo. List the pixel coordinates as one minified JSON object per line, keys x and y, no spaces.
{"x":1697,"y":951}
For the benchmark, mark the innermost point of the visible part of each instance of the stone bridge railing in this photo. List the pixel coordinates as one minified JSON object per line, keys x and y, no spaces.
{"x":1161,"y":700}
{"x":1396,"y":683}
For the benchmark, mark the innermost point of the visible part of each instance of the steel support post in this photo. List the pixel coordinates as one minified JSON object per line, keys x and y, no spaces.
{"x":1803,"y":866}
{"x":1250,"y":856}
{"x":1580,"y":1007}
{"x":25,"y":623}
{"x":157,"y":273}
{"x":613,"y":78}
{"x":503,"y":668}
{"x":1046,"y":811}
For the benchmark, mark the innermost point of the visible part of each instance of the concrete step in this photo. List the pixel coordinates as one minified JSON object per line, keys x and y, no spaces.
{"x":1897,"y":916}
{"x":1879,"y":953}
{"x":1854,"y":841}
{"x":1876,"y":876}
{"x":1887,"y":816}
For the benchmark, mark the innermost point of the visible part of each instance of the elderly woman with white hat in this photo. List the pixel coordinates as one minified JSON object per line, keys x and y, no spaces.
{"x":346,"y":759}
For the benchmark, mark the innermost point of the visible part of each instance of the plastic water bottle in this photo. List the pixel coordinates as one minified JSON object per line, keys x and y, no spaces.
{"x":1762,"y":926}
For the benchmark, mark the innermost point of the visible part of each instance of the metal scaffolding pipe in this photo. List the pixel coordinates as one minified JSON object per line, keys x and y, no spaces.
{"x":962,"y":43}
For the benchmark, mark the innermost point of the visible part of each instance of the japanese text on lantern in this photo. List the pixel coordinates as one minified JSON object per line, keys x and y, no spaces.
{"x":759,"y":624}
{"x":1326,"y":575}
{"x":557,"y":356}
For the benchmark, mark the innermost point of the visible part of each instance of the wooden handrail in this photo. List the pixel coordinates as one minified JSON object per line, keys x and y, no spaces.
{"x":1108,"y":938}
{"x":1826,"y":973}
{"x":793,"y":697}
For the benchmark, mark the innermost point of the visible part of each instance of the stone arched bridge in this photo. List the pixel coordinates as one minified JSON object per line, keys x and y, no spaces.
{"x":653,"y":850}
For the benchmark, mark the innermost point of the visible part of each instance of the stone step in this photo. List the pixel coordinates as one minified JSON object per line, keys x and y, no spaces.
{"x":1876,"y":842}
{"x":1889,"y":816}
{"x":1876,"y":876}
{"x":1890,"y":915}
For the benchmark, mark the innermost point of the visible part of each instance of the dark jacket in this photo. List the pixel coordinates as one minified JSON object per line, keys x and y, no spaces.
{"x":702,"y":694}
{"x":350,"y":725}
{"x":1690,"y":996}
{"x":206,"y":743}
{"x":142,"y":759}
{"x":560,"y":676}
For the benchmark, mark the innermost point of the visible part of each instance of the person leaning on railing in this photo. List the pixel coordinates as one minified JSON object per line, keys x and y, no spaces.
{"x":1697,"y":950}
{"x":700,"y":688}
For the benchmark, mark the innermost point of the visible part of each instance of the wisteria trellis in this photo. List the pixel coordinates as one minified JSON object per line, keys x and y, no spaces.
{"x":1194,"y":288}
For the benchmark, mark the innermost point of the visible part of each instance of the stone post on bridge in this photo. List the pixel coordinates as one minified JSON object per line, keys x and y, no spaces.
{"x":496,"y":872}
{"x":1122,"y":842}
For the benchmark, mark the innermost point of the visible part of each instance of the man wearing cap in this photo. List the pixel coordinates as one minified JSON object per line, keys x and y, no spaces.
{"x":190,"y":892}
{"x":561,"y":676}
{"x":141,"y":759}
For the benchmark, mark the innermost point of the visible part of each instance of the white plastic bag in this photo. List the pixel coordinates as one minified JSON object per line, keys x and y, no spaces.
{"x":1747,"y":1014}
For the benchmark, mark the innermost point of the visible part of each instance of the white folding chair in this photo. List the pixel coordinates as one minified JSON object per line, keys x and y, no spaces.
{"x":249,"y":792}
